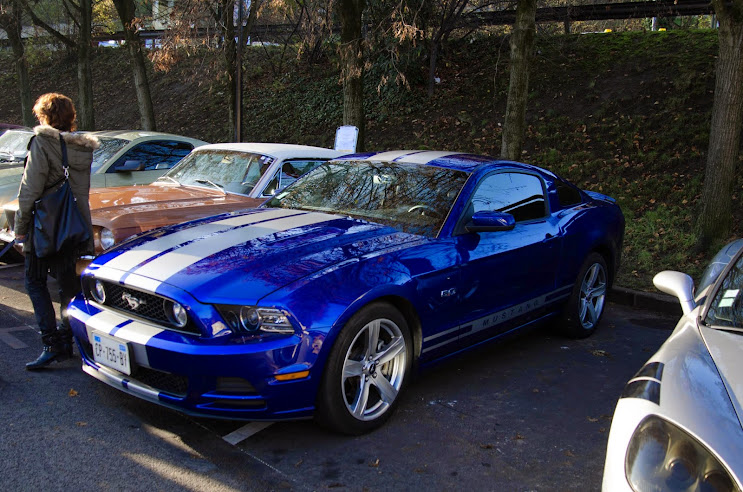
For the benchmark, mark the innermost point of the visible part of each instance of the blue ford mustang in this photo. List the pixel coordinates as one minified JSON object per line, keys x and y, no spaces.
{"x":321,"y":302}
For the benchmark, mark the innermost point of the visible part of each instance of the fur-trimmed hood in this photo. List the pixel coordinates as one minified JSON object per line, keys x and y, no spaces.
{"x":81,"y":139}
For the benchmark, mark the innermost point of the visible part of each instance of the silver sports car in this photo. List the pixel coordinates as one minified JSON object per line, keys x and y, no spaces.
{"x":678,"y":424}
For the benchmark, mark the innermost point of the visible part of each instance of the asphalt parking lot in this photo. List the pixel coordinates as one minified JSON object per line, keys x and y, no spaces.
{"x":530,"y":413}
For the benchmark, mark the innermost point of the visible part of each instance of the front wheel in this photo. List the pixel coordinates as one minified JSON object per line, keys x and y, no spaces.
{"x":586,"y":305}
{"x":366,"y":371}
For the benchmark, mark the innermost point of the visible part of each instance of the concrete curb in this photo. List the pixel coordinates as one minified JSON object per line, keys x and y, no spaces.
{"x":645,"y":300}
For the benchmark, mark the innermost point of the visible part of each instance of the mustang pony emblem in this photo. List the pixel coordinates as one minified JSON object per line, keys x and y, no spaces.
{"x":133,"y":302}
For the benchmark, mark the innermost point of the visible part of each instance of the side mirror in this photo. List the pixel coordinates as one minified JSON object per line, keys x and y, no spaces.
{"x":129,"y":166}
{"x":489,"y":221}
{"x":679,"y":285}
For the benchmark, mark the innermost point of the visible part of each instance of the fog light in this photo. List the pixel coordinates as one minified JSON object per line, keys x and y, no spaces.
{"x":98,"y":292}
{"x":180,"y":317}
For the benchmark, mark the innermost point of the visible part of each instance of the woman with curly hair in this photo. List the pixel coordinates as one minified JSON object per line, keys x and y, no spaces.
{"x":43,"y":175}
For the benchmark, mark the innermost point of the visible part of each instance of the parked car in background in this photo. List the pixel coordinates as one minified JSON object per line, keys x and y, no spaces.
{"x":13,"y":150}
{"x":124,"y":157}
{"x":323,"y":300}
{"x":4,"y":127}
{"x":678,"y":424}
{"x":213,"y":179}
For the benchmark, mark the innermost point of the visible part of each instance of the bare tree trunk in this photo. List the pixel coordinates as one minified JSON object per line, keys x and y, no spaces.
{"x":126,"y":10}
{"x":714,"y":222}
{"x":522,"y":48}
{"x":85,"y":111}
{"x":230,"y":55}
{"x":352,"y":69}
{"x":10,"y":22}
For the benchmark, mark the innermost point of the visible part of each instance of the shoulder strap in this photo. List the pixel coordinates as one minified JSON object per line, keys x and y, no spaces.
{"x":65,"y":163}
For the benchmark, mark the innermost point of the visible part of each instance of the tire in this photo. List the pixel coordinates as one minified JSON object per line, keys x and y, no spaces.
{"x":586,"y":305}
{"x":367,"y":369}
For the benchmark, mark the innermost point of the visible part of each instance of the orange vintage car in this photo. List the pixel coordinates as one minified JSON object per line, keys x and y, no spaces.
{"x":212,"y":179}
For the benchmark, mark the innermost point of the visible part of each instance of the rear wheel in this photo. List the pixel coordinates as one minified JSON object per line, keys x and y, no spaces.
{"x":366,"y":371}
{"x":586,"y":304}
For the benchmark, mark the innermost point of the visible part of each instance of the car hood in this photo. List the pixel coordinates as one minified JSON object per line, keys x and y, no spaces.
{"x":239,"y":258}
{"x":128,"y":210}
{"x":726,"y":349}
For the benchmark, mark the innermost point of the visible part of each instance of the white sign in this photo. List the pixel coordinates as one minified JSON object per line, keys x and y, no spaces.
{"x":346,"y":138}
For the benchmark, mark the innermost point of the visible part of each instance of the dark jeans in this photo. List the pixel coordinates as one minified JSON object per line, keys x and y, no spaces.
{"x":61,"y":267}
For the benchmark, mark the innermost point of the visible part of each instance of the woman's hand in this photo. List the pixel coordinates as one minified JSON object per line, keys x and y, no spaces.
{"x":21,"y":238}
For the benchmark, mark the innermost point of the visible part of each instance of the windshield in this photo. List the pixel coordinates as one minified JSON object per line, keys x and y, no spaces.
{"x":14,"y":144}
{"x":107,"y":149}
{"x":726,"y":309}
{"x":409,"y":197}
{"x":233,"y":171}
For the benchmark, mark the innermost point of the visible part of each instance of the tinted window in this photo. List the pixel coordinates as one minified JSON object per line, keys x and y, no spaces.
{"x":567,"y":195}
{"x":289,"y":172}
{"x":726,"y":309}
{"x":155,"y":155}
{"x":107,"y":149}
{"x":518,"y":194}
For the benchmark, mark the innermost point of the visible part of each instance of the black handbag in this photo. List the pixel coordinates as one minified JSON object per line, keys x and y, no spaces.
{"x":58,"y":224}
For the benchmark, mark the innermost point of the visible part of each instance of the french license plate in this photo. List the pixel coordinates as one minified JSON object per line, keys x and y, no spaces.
{"x":111,"y":352}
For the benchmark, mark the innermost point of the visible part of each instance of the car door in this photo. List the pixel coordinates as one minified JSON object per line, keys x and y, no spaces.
{"x":145,"y":162}
{"x":507,"y":277}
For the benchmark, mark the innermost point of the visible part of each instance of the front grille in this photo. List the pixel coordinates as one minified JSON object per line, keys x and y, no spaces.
{"x":141,"y":304}
{"x":173,"y":384}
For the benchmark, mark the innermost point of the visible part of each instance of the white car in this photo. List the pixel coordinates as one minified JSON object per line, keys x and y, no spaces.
{"x":679,"y":422}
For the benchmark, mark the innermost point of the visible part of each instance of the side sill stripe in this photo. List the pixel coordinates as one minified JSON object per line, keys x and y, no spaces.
{"x":494,"y":319}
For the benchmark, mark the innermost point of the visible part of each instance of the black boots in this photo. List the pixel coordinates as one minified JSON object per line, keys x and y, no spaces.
{"x":57,"y":346}
{"x":49,"y":354}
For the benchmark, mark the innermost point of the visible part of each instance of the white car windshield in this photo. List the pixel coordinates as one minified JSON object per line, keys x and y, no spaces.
{"x":409,"y":197}
{"x":236,"y":172}
{"x":13,"y":144}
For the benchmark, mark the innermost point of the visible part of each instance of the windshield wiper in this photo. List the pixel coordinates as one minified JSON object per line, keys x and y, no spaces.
{"x":209,"y":182}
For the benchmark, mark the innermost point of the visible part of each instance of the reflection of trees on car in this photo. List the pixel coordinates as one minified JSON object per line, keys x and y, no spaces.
{"x":410,"y":198}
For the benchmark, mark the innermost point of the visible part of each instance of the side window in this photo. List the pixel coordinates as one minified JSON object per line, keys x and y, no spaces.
{"x":521,"y":195}
{"x":567,"y":195}
{"x":726,"y":308}
{"x":162,"y":154}
{"x":289,"y":172}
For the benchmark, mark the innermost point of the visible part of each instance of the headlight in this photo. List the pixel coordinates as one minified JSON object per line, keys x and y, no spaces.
{"x":661,"y":456}
{"x":107,"y":238}
{"x":252,"y":319}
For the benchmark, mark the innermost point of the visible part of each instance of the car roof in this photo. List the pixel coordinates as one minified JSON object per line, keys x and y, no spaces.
{"x":277,"y":150}
{"x":135,"y":134}
{"x":440,"y":158}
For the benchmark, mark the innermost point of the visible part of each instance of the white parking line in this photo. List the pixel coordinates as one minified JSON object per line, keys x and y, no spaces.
{"x":9,"y":339}
{"x":245,"y":432}
{"x":12,"y":265}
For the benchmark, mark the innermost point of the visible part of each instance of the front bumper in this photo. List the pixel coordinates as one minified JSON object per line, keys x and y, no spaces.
{"x":218,"y":377}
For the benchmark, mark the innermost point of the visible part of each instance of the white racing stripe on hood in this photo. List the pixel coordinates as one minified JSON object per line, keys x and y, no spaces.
{"x":171,"y":263}
{"x":135,"y":256}
{"x":411,"y":156}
